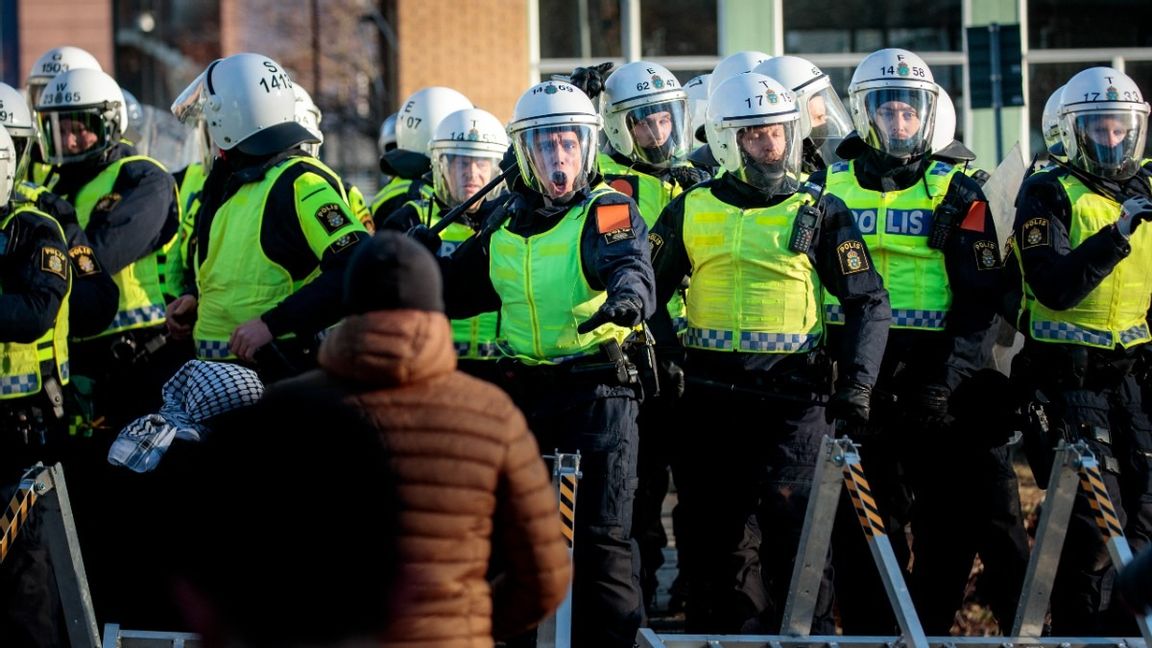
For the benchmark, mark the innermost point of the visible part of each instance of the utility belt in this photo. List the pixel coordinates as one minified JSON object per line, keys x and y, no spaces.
{"x":1051,"y":367}
{"x":27,"y":421}
{"x":800,"y":377}
{"x":124,"y":349}
{"x":610,"y":366}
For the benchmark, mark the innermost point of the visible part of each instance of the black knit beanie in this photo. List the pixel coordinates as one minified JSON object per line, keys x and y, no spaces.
{"x":392,"y":272}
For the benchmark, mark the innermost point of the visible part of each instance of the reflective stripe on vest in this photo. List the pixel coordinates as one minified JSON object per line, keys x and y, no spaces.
{"x":1115,"y":311}
{"x":142,"y":300}
{"x":543,"y":292}
{"x":749,"y":291}
{"x":237,"y":281}
{"x":896,"y":225}
{"x":397,"y":187}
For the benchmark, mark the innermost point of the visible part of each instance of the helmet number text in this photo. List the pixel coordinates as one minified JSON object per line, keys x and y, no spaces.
{"x":275,"y":79}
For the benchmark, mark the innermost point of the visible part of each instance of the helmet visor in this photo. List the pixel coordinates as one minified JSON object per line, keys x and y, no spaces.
{"x":189,"y":106}
{"x":659,"y":132}
{"x":556,"y":160}
{"x":900,"y":120}
{"x":1109,"y":144}
{"x":67,"y":136}
{"x":457,"y":176}
{"x":825,"y":120}
{"x":770,"y":157}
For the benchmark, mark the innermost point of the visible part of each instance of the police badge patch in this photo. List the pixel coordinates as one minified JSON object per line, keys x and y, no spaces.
{"x":986,"y":257}
{"x":84,"y":260}
{"x":53,"y":261}
{"x":331,"y":217}
{"x":852,"y":257}
{"x":107,"y":202}
{"x":1034,"y":233}
{"x":342,"y":243}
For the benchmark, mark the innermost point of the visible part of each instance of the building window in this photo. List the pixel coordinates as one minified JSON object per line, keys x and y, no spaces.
{"x":865,"y":26}
{"x":679,"y":28}
{"x":1063,"y":24}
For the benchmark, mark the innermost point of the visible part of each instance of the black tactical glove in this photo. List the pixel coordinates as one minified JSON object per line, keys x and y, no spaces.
{"x":852,"y":403}
{"x":57,"y":207}
{"x":621,"y":311}
{"x":1132,"y":213}
{"x":930,"y":403}
{"x":688,"y":175}
{"x":424,"y":236}
{"x":591,"y":79}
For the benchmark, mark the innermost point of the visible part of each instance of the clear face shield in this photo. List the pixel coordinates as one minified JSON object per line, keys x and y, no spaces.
{"x":659,"y":132}
{"x":825,"y":120}
{"x":556,"y":160}
{"x":189,"y":106}
{"x":457,"y":175}
{"x":900,"y":120}
{"x":35,"y":89}
{"x":68,"y":136}
{"x":770,"y":156}
{"x":1109,"y":144}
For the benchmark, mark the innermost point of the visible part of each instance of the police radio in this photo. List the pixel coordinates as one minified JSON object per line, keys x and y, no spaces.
{"x":943,"y":222}
{"x":804,"y":229}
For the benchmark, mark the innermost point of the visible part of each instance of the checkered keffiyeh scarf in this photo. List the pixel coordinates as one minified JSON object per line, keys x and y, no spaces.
{"x":198,"y":392}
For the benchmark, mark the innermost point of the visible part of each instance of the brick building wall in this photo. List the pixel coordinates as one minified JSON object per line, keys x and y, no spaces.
{"x":478,"y":47}
{"x":45,"y":24}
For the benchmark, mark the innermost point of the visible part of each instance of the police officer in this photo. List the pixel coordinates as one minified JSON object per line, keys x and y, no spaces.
{"x":94,"y":295}
{"x":46,"y":67}
{"x":467,"y":148}
{"x":264,"y":193}
{"x":34,"y":282}
{"x":128,"y":207}
{"x":823,"y":117}
{"x":646,"y":120}
{"x":932,"y":236}
{"x":761,"y":252}
{"x":570,"y":275}
{"x":992,"y":512}
{"x":1087,"y":263}
{"x":408,"y":162}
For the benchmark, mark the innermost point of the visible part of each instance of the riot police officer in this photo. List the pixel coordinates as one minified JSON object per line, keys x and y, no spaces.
{"x":824,"y":119}
{"x":761,"y":250}
{"x":570,"y":274}
{"x":932,"y":235}
{"x":1087,"y":263}
{"x":264,"y":192}
{"x":35,"y":278}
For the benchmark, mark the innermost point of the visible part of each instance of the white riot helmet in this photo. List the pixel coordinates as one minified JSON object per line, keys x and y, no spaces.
{"x":944,"y":130}
{"x":1103,"y":123}
{"x":646,"y":114}
{"x":81,"y":114}
{"x":893,"y":100}
{"x":697,"y":91}
{"x":308,"y":115}
{"x":466,"y":151}
{"x":248,"y":104}
{"x":1050,"y":121}
{"x":8,"y":161}
{"x":555,"y":130}
{"x":421,"y":112}
{"x":387,"y":139}
{"x":734,"y":64}
{"x":53,"y":62}
{"x":822,"y":115}
{"x":754,"y":131}
{"x":17,"y":120}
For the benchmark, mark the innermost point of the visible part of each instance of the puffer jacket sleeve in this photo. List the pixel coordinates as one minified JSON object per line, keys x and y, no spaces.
{"x":528,"y":520}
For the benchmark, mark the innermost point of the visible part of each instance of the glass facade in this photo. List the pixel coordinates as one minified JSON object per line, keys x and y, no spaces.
{"x":865,"y":26}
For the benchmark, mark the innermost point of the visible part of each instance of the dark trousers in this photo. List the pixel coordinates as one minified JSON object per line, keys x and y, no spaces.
{"x":599,"y":421}
{"x":731,"y":471}
{"x":659,"y":425}
{"x":1082,"y":601}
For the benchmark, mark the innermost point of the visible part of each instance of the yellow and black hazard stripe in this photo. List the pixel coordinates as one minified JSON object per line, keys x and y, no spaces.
{"x":16,"y":515}
{"x":1092,"y":483}
{"x":568,"y":506}
{"x":862,"y":500}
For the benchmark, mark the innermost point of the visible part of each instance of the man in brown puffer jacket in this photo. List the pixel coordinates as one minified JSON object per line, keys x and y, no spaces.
{"x":470,"y":475}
